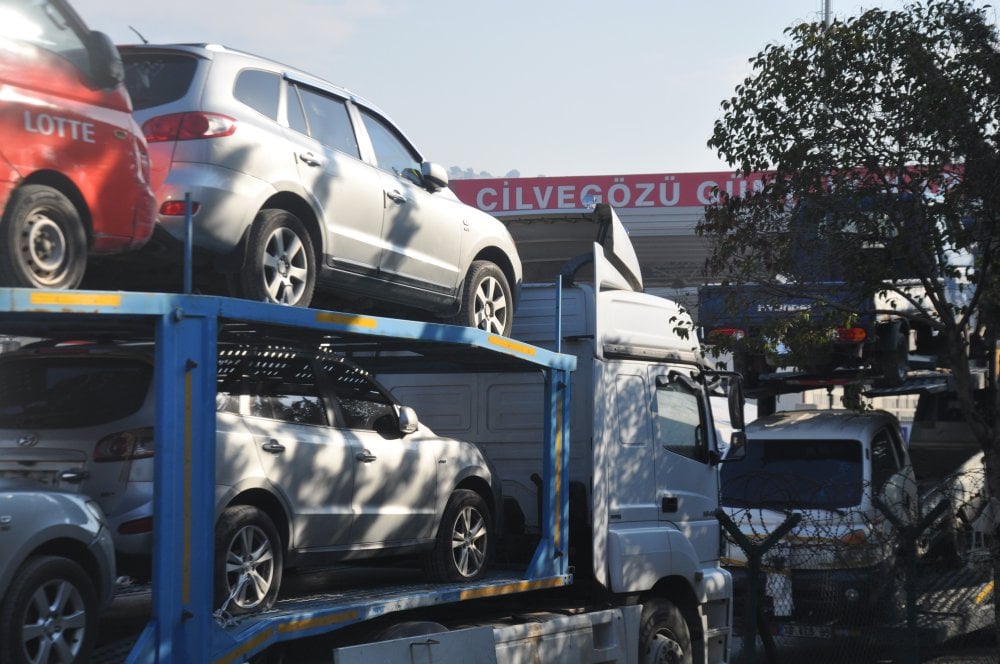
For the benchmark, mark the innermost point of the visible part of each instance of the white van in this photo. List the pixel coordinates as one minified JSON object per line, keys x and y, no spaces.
{"x":839,"y":562}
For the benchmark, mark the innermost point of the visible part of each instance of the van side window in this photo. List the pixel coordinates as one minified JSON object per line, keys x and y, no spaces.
{"x":884,"y":463}
{"x":679,"y":425}
{"x":259,"y":90}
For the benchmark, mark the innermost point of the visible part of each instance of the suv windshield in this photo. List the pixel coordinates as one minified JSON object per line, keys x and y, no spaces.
{"x":153,"y":79}
{"x":68,"y":392}
{"x":799,"y":474}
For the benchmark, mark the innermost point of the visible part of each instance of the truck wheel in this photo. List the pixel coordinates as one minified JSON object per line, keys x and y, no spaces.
{"x":248,"y":559}
{"x":463,"y":548}
{"x":49,"y":613}
{"x":663,"y":634}
{"x":893,"y":361}
{"x":486,"y":300}
{"x":46,"y":245}
{"x":280,"y":265}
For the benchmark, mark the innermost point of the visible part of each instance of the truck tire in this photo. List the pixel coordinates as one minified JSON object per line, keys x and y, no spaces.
{"x":248,"y":561}
{"x":664,"y":636}
{"x":45,"y":244}
{"x":465,"y":540}
{"x":49,"y":613}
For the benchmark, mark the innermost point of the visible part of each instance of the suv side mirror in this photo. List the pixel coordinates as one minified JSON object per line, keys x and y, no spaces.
{"x":408,"y":421}
{"x":434,"y":176}
{"x":106,"y":67}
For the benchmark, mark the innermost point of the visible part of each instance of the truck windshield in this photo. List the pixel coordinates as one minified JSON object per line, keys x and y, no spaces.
{"x":795,"y":474}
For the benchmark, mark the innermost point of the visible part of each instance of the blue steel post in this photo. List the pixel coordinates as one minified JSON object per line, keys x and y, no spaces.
{"x":184,"y":480}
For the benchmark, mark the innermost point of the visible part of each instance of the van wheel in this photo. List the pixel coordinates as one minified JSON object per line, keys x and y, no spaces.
{"x":46,"y":246}
{"x":486,"y":300}
{"x":49,"y":613}
{"x":280,"y":265}
{"x":663,"y":634}
{"x":248,"y":559}
{"x":463,"y":548}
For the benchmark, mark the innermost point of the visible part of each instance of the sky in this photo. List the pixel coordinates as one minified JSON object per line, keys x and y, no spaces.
{"x":546,"y":88}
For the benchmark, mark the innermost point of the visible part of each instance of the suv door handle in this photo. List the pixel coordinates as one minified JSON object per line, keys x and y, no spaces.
{"x":396,"y":197}
{"x":273,"y":446}
{"x":309,"y":159}
{"x":366,"y":456}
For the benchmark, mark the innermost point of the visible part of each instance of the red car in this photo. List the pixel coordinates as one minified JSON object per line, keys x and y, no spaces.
{"x":74,"y":167}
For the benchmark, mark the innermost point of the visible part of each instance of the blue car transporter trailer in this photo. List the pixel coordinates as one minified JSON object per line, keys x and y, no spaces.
{"x":186,"y":330}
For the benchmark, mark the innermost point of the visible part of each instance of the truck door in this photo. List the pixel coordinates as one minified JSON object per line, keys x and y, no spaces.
{"x":632,"y":484}
{"x":686,"y":483}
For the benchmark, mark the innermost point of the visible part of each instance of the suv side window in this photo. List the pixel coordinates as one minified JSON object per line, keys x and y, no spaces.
{"x":391,"y":152}
{"x":329,"y":122}
{"x":259,"y":90}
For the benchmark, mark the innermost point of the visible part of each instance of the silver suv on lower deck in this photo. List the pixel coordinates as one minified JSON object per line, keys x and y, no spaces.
{"x":315,"y":461}
{"x":297,"y":183}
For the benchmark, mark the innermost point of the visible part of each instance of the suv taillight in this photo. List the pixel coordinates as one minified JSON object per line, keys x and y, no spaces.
{"x":721,"y":333}
{"x":125,"y":445}
{"x":187,"y":126}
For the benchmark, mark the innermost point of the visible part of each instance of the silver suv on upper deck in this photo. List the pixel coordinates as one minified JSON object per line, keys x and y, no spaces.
{"x":298,"y":184}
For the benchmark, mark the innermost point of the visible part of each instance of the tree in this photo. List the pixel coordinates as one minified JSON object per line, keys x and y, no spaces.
{"x":901,"y":107}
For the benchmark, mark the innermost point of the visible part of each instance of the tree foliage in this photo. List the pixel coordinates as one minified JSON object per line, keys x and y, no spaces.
{"x":882,"y":132}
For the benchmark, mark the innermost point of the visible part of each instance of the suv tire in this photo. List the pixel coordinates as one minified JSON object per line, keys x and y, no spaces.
{"x":487,"y":303}
{"x":248,"y":561}
{"x":279,"y":264}
{"x":463,"y":548}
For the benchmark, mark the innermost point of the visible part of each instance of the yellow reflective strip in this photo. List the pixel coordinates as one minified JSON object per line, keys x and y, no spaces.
{"x":518,"y":587}
{"x":510,"y":344}
{"x":347,"y":319}
{"x":333,"y":619}
{"x":237,"y":654}
{"x":77,"y":299}
{"x":186,"y":583}
{"x":559,"y":444}
{"x":985,"y":592}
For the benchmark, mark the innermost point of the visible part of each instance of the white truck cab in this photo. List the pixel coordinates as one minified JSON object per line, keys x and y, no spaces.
{"x":643,"y":475}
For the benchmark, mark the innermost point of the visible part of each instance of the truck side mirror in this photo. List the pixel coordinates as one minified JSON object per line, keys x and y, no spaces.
{"x":736,"y":403}
{"x":106,"y":67}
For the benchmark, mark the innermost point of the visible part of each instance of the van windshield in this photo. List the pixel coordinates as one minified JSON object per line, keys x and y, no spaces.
{"x":795,"y":474}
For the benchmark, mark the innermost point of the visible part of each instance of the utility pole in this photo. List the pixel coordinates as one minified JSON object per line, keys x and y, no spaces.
{"x":826,"y":13}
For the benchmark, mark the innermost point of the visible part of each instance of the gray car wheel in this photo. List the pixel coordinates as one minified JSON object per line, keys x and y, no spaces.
{"x":487,"y":303}
{"x":248,"y":559}
{"x":280,"y":265}
{"x":45,"y":242}
{"x":49,"y":613}
{"x":464,"y":545}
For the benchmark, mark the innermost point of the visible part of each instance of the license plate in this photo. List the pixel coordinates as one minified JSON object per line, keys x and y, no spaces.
{"x":806,"y":631}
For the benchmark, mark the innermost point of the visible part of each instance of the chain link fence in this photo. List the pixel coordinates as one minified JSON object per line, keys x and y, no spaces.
{"x":906,"y":569}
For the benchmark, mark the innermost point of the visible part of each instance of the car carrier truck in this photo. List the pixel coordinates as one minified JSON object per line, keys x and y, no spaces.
{"x":642,"y":472}
{"x":595,"y":416}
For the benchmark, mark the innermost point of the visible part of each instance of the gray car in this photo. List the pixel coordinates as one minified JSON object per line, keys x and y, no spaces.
{"x":315,"y":462}
{"x":298,"y":184}
{"x":57,"y":570}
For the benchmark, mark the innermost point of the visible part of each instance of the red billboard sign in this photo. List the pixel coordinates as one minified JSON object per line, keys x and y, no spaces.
{"x":661,"y":190}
